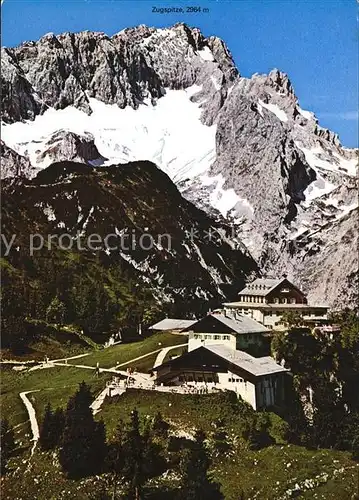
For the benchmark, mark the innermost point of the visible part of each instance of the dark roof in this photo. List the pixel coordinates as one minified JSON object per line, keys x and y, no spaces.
{"x":261,"y":286}
{"x":257,"y":367}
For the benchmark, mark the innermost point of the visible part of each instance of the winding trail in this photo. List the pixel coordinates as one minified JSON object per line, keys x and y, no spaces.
{"x":143,"y":379}
{"x":162,"y":354}
{"x":32,"y":416}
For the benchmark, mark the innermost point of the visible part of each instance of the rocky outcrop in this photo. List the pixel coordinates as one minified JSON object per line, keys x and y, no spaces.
{"x":326,"y":263}
{"x":14,"y":165}
{"x":125,"y":69}
{"x":157,"y":236}
{"x":64,"y":145}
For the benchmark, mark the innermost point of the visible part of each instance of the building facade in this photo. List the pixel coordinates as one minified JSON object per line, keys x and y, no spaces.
{"x":266,"y":300}
{"x":232,"y":330}
{"x":258,"y":381}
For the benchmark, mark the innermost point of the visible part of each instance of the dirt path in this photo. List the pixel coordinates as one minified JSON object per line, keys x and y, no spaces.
{"x":137,"y":359}
{"x":161,"y":356}
{"x":71,"y":357}
{"x":32,"y":416}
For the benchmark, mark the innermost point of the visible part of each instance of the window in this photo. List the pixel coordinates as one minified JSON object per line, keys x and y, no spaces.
{"x":292,"y":300}
{"x":217,"y":337}
{"x":196,"y":336}
{"x":208,"y":336}
{"x":276,"y":300}
{"x":284,"y":300}
{"x":226,"y":337}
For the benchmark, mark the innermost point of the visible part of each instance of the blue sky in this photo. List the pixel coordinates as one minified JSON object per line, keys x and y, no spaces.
{"x":314,"y":41}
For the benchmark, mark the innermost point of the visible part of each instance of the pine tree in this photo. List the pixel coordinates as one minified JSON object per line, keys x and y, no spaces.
{"x":115,"y":455}
{"x":196,"y":482}
{"x":159,"y":426}
{"x":46,"y":431}
{"x":51,"y":428}
{"x":56,"y":311}
{"x":83,"y":444}
{"x":328,"y":415}
{"x":133,"y":452}
{"x":7,"y":443}
{"x":154,"y":463}
{"x":58,"y":423}
{"x":13,"y":309}
{"x":258,"y":435}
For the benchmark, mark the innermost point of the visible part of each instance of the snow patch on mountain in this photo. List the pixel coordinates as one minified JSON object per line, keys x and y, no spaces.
{"x":169,"y":133}
{"x":217,"y":85}
{"x":317,"y":158}
{"x":306,"y":114}
{"x":206,"y":54}
{"x":317,"y":188}
{"x":221,"y":199}
{"x":273,"y":108}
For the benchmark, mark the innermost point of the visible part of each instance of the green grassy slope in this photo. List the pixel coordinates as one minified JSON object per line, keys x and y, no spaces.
{"x":264,"y":474}
{"x":121,"y":353}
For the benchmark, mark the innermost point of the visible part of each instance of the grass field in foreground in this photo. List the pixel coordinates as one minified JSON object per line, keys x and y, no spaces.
{"x":264,"y":474}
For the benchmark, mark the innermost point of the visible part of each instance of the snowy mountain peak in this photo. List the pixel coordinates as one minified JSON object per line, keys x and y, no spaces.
{"x":240,"y":148}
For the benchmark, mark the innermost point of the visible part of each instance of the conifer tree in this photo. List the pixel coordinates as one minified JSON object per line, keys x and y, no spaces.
{"x":56,"y":311}
{"x":133,"y":452}
{"x":58,"y":422}
{"x":46,"y":430}
{"x":7,"y":444}
{"x":154,"y":463}
{"x":51,"y":428}
{"x":115,"y":455}
{"x":159,"y":426}
{"x":83,"y":444}
{"x":196,"y":482}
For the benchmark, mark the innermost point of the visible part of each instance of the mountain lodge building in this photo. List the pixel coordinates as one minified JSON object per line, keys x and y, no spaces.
{"x":265,"y":301}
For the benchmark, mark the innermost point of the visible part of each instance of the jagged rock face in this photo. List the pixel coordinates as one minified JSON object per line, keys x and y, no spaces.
{"x":19,"y":99}
{"x":63,"y":145}
{"x":240,"y":148}
{"x":332,"y":246}
{"x":185,"y":257}
{"x":124,"y":69}
{"x":13,"y":165}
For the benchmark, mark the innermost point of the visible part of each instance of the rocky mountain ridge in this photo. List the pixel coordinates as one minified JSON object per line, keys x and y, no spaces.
{"x":240,"y":148}
{"x":138,"y":220}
